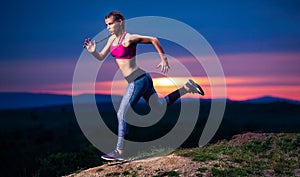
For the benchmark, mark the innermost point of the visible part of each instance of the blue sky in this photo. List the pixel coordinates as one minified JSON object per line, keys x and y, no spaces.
{"x":49,"y":34}
{"x":32,"y":29}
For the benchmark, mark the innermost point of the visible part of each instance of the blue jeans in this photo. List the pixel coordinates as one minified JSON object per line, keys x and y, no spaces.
{"x":141,"y":86}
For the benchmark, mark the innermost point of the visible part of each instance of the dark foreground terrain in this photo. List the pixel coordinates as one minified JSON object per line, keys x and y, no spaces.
{"x":47,"y":141}
{"x":247,"y":154}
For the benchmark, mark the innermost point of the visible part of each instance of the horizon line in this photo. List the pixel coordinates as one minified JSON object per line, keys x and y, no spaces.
{"x":197,"y":97}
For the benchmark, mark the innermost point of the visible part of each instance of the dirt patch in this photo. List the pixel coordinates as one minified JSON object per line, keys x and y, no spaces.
{"x":241,"y":139}
{"x":160,"y":166}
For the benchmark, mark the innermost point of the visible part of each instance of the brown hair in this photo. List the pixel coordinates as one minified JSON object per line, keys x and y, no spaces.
{"x":116,"y":14}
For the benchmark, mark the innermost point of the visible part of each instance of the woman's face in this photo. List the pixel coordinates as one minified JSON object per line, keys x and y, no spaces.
{"x":113,"y":26}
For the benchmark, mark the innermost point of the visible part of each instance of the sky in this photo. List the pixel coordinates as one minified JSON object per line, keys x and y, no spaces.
{"x":257,"y":43}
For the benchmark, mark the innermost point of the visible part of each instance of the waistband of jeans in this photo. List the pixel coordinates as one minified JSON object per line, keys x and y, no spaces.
{"x":135,"y":75}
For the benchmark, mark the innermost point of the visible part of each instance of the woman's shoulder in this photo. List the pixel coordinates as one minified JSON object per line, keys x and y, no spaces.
{"x":133,"y":37}
{"x":128,"y":35}
{"x":111,"y":38}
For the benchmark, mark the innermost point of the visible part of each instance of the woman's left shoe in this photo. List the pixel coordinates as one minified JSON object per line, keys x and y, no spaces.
{"x":113,"y":156}
{"x":194,"y":87}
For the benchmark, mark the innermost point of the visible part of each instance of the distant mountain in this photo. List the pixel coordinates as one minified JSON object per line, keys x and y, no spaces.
{"x":30,"y":100}
{"x":270,"y":99}
{"x":11,"y":100}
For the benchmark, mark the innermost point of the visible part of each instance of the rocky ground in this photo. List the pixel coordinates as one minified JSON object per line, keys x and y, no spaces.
{"x":170,"y":165}
{"x":178,"y":165}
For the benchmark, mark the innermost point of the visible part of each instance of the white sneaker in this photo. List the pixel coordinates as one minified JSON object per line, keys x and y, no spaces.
{"x":113,"y":156}
{"x":194,"y":87}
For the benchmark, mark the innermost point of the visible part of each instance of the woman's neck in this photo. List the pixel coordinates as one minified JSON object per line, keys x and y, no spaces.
{"x":120,"y":34}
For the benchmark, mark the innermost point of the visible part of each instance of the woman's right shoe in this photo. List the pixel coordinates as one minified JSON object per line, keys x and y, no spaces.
{"x":113,"y":156}
{"x":194,"y":87}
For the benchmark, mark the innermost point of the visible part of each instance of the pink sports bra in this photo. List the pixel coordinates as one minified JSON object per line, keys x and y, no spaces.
{"x":121,"y":52}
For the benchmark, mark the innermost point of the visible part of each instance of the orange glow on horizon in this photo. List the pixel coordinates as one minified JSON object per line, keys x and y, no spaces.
{"x":237,"y":88}
{"x":247,"y":75}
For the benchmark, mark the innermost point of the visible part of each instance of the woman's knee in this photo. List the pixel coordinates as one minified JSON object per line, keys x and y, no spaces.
{"x":120,"y":115}
{"x":157,"y":103}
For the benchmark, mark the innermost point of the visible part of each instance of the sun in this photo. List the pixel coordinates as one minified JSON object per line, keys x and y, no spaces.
{"x":168,"y":82}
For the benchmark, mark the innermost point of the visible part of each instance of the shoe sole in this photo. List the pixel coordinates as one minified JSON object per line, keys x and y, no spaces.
{"x":112,"y":159}
{"x":198,"y":88}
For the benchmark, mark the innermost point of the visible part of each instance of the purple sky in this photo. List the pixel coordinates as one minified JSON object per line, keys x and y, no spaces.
{"x":42,"y":40}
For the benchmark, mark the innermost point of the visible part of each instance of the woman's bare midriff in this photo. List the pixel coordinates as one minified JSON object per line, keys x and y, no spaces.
{"x":127,"y":66}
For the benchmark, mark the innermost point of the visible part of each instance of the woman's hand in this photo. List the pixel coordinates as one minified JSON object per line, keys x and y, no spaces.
{"x":164,"y":66}
{"x":89,"y":45}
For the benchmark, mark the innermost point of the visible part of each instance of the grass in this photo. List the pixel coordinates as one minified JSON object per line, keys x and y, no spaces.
{"x":278,"y":154}
{"x":168,"y":173}
{"x":153,"y":152}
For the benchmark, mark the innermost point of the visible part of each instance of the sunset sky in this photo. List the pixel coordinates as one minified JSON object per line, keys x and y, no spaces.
{"x":257,"y":43}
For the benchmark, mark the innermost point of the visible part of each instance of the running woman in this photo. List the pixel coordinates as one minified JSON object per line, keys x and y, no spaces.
{"x":122,"y":46}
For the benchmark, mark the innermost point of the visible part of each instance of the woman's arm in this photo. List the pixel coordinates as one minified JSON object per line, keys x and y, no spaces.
{"x":155,"y":42}
{"x":91,"y":48}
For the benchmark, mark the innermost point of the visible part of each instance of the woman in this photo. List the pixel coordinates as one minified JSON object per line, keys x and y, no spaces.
{"x":122,"y":46}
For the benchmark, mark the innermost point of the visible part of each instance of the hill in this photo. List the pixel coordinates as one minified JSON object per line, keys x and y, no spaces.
{"x":47,"y":140}
{"x":248,"y":154}
{"x":15,"y":100}
{"x":270,"y":99}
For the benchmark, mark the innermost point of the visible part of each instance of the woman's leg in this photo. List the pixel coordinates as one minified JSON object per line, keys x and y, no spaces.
{"x":151,"y":96}
{"x":133,"y":93}
{"x":189,"y":87}
{"x":137,"y":86}
{"x":154,"y":101}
